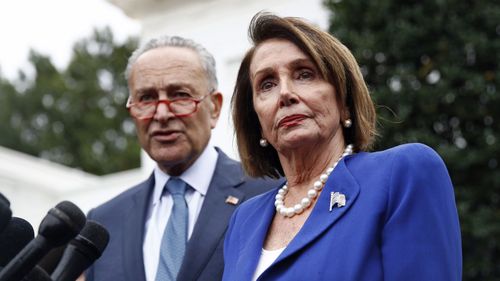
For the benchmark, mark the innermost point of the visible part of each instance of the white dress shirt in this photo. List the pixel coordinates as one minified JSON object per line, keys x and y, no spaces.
{"x":198,"y":177}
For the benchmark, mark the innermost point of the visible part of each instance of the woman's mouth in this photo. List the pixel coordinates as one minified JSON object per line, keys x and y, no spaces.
{"x":291,"y":120}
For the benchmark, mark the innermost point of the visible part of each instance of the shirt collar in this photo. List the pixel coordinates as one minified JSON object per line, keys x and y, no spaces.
{"x":198,"y":175}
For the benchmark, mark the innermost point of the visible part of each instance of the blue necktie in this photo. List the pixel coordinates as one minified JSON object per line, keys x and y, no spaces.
{"x":173,"y":242}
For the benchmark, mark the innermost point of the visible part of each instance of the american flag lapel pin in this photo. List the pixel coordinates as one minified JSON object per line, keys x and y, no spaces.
{"x":232,"y":200}
{"x":337,"y":198}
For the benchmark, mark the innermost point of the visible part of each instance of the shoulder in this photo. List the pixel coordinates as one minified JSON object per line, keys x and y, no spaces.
{"x":250,"y":213}
{"x":410,"y":154}
{"x":231,"y":172}
{"x":400,"y":169}
{"x":117,"y":203}
{"x":416,"y":156}
{"x":411,"y":170}
{"x":260,"y":200}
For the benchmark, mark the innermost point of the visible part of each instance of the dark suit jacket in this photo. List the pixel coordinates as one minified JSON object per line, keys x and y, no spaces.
{"x":124,"y":218}
{"x":399,"y":223}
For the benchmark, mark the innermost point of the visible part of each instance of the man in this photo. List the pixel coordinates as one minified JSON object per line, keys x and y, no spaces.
{"x":194,"y":188}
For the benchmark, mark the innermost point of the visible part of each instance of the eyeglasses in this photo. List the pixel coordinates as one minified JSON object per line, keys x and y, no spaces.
{"x":181,"y":107}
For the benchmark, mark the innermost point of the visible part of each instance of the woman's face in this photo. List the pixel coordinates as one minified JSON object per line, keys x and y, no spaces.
{"x":296,"y":107}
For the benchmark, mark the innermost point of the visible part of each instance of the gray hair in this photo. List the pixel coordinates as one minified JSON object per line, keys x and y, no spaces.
{"x":207,"y":60}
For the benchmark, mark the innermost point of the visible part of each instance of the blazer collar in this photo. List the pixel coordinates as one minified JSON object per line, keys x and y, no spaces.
{"x":209,"y":228}
{"x":321,"y":218}
{"x":133,"y":232}
{"x":249,"y":256}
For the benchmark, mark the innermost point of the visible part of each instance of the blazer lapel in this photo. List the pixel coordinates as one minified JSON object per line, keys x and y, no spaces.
{"x":213,"y":218}
{"x":250,"y":253}
{"x":321,"y":218}
{"x":134,"y":233}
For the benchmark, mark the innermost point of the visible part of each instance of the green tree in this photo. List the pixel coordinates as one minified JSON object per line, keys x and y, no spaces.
{"x":432,"y":67}
{"x":76,"y":116}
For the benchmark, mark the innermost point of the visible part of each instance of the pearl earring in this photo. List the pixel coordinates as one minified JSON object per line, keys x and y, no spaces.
{"x":347,"y":123}
{"x":263,"y":142}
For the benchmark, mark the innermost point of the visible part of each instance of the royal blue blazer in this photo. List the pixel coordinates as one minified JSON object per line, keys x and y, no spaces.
{"x":400,"y":223}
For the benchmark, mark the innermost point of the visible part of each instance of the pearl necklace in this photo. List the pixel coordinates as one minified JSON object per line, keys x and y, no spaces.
{"x":311,"y":193}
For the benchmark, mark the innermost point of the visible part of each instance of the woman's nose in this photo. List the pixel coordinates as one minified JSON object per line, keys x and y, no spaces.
{"x":287,"y":94}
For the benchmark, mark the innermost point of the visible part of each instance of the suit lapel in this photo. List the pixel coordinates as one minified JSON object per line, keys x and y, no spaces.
{"x":255,"y":235}
{"x":134,"y":232}
{"x":213,"y":218}
{"x":321,"y":218}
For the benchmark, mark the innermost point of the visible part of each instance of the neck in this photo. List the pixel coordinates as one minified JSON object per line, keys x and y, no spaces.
{"x":312,"y":193}
{"x":303,"y":166}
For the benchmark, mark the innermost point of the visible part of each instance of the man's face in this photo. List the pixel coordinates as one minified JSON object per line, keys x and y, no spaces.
{"x":170,"y":73}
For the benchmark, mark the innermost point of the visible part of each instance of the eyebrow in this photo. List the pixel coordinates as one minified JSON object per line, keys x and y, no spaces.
{"x":168,"y":88}
{"x":294,"y":63}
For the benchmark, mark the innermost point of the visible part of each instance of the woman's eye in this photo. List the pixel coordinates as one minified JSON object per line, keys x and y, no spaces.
{"x":266,"y":85}
{"x":305,"y":75}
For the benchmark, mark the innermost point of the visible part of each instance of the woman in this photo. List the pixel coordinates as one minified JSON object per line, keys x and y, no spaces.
{"x":301,"y":110}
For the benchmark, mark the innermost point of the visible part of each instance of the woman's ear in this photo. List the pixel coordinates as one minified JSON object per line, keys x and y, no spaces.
{"x":345,"y":114}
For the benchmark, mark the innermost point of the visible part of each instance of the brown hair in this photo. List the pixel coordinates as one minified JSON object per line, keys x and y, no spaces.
{"x":336,"y":65}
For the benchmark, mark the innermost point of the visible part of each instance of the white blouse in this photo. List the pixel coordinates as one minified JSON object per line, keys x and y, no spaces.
{"x":266,"y":259}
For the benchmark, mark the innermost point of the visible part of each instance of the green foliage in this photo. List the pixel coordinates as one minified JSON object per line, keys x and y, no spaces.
{"x":77,"y":116}
{"x":432,"y":67}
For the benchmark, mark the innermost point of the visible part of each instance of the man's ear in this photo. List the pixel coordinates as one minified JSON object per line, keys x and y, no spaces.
{"x":215,"y":107}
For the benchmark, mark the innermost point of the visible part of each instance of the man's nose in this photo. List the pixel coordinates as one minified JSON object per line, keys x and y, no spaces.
{"x":162,"y":112}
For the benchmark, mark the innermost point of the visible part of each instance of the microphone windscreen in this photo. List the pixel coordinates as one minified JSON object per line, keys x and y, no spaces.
{"x":3,"y":200}
{"x":62,"y":223}
{"x":14,"y":238}
{"x":96,"y":234}
{"x":74,"y":214}
{"x":5,"y":212}
{"x":58,"y":227}
{"x":81,"y":252}
{"x":37,"y":274}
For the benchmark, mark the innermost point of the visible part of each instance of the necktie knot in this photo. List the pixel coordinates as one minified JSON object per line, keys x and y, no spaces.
{"x":176,"y":186}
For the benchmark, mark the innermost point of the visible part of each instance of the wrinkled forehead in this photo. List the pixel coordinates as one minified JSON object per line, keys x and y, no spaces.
{"x":168,"y":65}
{"x":168,"y":58}
{"x":274,"y":53}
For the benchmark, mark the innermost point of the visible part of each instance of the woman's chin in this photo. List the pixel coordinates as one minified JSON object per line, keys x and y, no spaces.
{"x":296,"y":142}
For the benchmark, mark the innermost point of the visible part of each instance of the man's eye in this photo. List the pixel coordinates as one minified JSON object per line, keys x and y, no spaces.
{"x":181,"y":94}
{"x":146,"y":98}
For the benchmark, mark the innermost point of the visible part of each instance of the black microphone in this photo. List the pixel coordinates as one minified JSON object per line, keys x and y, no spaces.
{"x":5,"y":212}
{"x":82,"y":252}
{"x":4,"y":200}
{"x":61,"y":224}
{"x":52,"y":258}
{"x":16,"y":235}
{"x":37,"y":274}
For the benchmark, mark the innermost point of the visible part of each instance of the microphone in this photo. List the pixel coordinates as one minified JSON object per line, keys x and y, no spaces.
{"x":81,"y":252}
{"x":60,"y":225}
{"x":4,"y":200}
{"x":37,"y":274}
{"x":16,"y":235}
{"x":5,"y":212}
{"x":51,"y":259}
